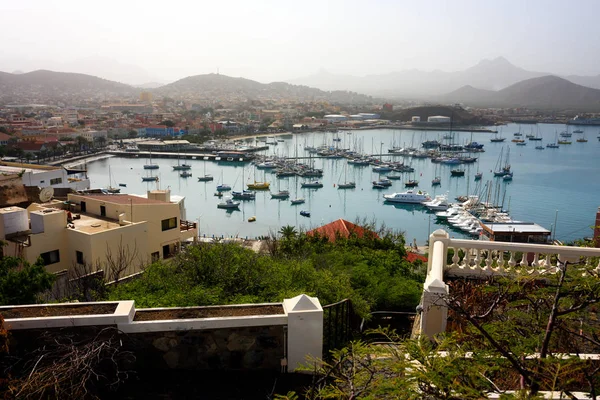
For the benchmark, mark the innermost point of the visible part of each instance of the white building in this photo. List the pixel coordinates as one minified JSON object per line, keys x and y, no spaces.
{"x":416,"y":118}
{"x":70,"y":116}
{"x":439,"y":119}
{"x":335,"y":118}
{"x":46,"y":176}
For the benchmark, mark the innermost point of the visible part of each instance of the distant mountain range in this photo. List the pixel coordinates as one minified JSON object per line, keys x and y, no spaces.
{"x":50,"y":86}
{"x":542,"y":92}
{"x":546,"y":92}
{"x":494,"y":74}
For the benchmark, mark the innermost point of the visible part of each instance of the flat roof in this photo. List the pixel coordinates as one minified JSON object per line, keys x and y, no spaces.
{"x":91,"y":224}
{"x":515,"y":227}
{"x":121,"y":199}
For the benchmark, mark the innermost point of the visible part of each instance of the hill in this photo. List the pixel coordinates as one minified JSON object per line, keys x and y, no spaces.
{"x":492,"y":74}
{"x":50,"y":86}
{"x":215,"y":86}
{"x":547,"y":92}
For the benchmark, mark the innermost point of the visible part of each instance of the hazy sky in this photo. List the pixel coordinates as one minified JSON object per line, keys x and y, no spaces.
{"x":278,"y":40}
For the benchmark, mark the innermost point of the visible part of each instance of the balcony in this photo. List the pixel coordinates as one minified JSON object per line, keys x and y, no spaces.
{"x":477,"y":259}
{"x":188,"y":229}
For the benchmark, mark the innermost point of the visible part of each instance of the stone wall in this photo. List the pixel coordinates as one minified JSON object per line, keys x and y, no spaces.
{"x":253,"y":348}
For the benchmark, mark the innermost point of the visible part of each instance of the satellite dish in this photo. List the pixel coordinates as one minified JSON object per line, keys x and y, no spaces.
{"x":46,"y":194}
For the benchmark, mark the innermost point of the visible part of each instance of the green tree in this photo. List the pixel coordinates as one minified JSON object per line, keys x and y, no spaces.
{"x":168,"y":123}
{"x":100,"y":141}
{"x":21,"y":282}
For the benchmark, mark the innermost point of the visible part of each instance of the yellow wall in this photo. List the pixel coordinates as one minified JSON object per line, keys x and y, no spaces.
{"x":53,"y":238}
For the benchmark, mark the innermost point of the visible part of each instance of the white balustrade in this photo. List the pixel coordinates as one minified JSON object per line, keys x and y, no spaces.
{"x":481,"y":259}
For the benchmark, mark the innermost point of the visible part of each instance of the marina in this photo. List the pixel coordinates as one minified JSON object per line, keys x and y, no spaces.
{"x":541,"y":182}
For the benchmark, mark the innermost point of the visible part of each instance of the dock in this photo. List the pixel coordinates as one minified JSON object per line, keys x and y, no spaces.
{"x":183,"y":156}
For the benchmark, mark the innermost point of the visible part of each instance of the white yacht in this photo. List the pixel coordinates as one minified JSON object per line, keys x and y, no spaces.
{"x":409,"y":196}
{"x":439,"y":203}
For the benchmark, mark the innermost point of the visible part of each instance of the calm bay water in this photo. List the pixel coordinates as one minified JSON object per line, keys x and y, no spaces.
{"x":566,"y":179}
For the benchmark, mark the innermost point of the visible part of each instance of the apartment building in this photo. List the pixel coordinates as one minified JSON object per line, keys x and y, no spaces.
{"x":47,"y":176}
{"x":90,"y":229}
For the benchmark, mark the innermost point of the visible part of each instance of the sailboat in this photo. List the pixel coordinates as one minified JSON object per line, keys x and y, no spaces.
{"x":150,"y":165}
{"x":537,"y":135}
{"x":222,"y":187}
{"x":582,"y":140}
{"x":553,"y":145}
{"x":111,"y":189}
{"x":346,"y":184}
{"x":244,"y":194}
{"x":206,"y":177}
{"x":478,"y":174}
{"x":497,"y":139}
{"x":181,"y":167}
{"x":264,"y":185}
{"x":437,"y":180}
{"x":503,"y":170}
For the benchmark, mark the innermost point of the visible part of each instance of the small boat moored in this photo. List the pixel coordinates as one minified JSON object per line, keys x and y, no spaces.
{"x":299,"y":200}
{"x":305,"y":213}
{"x":229,"y":204}
{"x":252,"y":219}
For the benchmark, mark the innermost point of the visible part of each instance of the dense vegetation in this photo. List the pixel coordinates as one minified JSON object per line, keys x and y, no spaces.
{"x":21,"y":282}
{"x":371,"y":271}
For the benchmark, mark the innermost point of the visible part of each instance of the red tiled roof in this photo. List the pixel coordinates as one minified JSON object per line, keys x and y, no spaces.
{"x":412,"y":257}
{"x":340,"y":227}
{"x":4,"y":137}
{"x":123,"y":199}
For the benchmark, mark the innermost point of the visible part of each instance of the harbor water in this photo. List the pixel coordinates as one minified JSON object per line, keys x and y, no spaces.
{"x":556,"y":188}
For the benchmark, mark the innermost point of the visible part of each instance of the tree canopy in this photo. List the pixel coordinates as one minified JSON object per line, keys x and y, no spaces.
{"x":21,"y":282}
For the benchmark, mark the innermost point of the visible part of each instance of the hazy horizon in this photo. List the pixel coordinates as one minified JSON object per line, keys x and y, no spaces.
{"x":137,"y":42}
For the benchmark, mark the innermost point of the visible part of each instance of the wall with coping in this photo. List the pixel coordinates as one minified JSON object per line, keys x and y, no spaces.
{"x":281,"y":342}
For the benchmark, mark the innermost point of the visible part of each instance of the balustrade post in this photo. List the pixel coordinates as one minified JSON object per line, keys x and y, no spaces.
{"x":434,"y":311}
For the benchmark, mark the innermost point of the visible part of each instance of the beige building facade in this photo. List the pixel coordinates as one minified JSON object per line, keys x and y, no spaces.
{"x":102,"y":228}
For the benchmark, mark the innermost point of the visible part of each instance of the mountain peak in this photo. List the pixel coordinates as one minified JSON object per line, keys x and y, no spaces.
{"x":495,"y":62}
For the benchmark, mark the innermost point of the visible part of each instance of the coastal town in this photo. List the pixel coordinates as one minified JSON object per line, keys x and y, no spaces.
{"x":292,"y":201}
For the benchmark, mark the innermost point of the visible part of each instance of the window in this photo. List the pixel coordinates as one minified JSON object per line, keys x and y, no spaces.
{"x":155,"y":256}
{"x":55,"y":181}
{"x":50,"y":257}
{"x":79,"y":257}
{"x":83,"y":206}
{"x":42,"y":181}
{"x":170,"y":223}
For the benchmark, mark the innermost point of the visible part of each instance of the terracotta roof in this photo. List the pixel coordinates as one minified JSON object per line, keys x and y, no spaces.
{"x":412,"y":257}
{"x":122,"y":199}
{"x":340,"y":227}
{"x":4,"y":137}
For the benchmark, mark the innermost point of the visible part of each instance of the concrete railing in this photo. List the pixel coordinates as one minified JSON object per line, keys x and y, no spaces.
{"x":290,"y":338}
{"x":481,"y":259}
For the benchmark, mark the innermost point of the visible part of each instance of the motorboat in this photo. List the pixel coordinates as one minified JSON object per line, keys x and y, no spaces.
{"x":185,"y":174}
{"x":266,"y":165}
{"x":299,"y":200}
{"x":258,"y":185}
{"x":449,"y":213}
{"x":439,"y":203}
{"x":552,"y":146}
{"x":229,"y":204}
{"x":313,"y":184}
{"x":457,"y":172}
{"x":223,"y":187}
{"x":436,"y":181}
{"x":411,"y":183}
{"x":394,"y":177}
{"x":539,"y":147}
{"x":507,"y":177}
{"x":305,"y":213}
{"x":252,"y":219}
{"x":205,"y":178}
{"x":521,"y":143}
{"x":409,"y":196}
{"x":478,"y":176}
{"x":149,"y":178}
{"x":243,"y":195}
{"x":383,"y":182}
{"x":282,"y":194}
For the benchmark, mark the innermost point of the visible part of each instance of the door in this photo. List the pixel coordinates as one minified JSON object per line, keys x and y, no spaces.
{"x":166,"y":251}
{"x":102,"y":211}
{"x":83,"y":206}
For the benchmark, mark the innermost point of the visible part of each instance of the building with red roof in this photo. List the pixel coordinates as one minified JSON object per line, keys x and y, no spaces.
{"x":341,"y":228}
